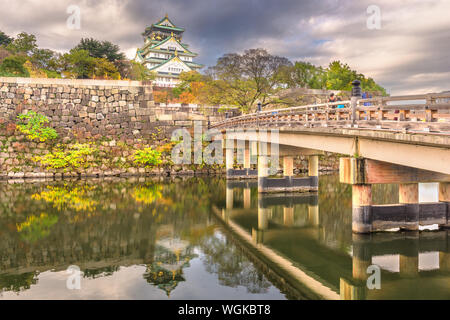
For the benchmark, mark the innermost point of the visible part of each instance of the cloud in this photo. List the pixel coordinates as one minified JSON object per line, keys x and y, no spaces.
{"x":409,"y":54}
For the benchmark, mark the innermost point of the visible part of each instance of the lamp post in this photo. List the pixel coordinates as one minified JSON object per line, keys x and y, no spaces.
{"x":356,"y":94}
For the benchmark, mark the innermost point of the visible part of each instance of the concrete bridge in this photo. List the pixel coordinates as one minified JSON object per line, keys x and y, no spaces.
{"x":403,"y":140}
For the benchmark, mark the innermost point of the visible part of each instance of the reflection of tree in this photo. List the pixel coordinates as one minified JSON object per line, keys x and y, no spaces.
{"x":18,"y":282}
{"x":231,"y":266}
{"x":75,"y":198}
{"x":112,"y":229}
{"x":36,"y":227}
{"x":147,"y":194}
{"x":100,"y":272}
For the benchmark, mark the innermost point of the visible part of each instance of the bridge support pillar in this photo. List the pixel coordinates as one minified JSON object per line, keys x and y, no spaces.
{"x":247,"y":162}
{"x":409,"y":213}
{"x":361,"y":259}
{"x":408,"y":194}
{"x":444,"y":196}
{"x":263,"y":171}
{"x":229,"y":198}
{"x":313,"y":166}
{"x":288,"y":216}
{"x":409,"y":266}
{"x":351,"y":291}
{"x":313,"y":171}
{"x":247,"y":198}
{"x":444,"y":261}
{"x":229,"y":160}
{"x":362,"y":208}
{"x":313,"y":214}
{"x":409,"y":260}
{"x":288,"y":166}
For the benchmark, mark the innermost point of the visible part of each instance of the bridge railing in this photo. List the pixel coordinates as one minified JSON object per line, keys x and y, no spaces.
{"x":424,"y":113}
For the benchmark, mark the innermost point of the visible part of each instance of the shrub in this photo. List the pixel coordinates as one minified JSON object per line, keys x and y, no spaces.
{"x":73,"y":158}
{"x":33,"y":125}
{"x":14,"y":65}
{"x":147,"y":157}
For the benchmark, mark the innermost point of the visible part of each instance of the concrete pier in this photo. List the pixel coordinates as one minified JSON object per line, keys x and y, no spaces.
{"x":362,"y":208}
{"x":408,"y":194}
{"x":444,"y":197}
{"x":289,"y":183}
{"x":408,"y":214}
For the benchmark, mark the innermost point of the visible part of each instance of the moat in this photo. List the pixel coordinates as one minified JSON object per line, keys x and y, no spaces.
{"x":181,"y":239}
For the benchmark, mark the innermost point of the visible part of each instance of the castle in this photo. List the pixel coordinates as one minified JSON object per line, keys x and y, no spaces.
{"x":164,"y":53}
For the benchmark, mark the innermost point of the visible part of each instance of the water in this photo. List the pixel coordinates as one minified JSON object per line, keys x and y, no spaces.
{"x":160,"y":239}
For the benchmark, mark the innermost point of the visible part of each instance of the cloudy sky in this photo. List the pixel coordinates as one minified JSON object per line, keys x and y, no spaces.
{"x":408,"y":54}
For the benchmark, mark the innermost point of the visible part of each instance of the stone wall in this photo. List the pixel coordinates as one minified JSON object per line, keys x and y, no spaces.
{"x":122,"y":110}
{"x":116,"y":117}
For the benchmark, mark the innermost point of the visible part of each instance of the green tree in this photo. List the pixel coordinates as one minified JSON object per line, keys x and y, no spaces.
{"x":307,"y":75}
{"x":14,"y":66}
{"x":339,"y":76}
{"x":5,"y":39}
{"x":24,"y":43}
{"x":43,"y":58}
{"x":79,"y":64}
{"x":101,"y":49}
{"x":135,"y":71}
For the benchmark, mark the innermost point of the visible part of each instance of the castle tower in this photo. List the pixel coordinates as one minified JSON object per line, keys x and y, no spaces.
{"x":164,"y":53}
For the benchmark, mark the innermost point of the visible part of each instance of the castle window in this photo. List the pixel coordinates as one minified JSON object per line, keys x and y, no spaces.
{"x":172,"y":69}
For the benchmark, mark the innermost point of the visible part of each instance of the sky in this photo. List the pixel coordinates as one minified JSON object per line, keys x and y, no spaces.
{"x":407,"y":54}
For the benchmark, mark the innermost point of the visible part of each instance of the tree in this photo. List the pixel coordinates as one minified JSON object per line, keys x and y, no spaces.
{"x":190,"y":84}
{"x":135,"y":71}
{"x":3,"y":54}
{"x":5,"y":39}
{"x":186,"y":98}
{"x":242,"y":80}
{"x":24,"y":43}
{"x":101,"y":49}
{"x":339,"y":76}
{"x":14,"y":66}
{"x":161,"y":96}
{"x":79,"y":64}
{"x":304,"y":75}
{"x":42,"y":58}
{"x":255,"y":75}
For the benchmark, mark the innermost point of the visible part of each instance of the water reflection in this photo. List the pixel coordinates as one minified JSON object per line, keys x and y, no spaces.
{"x":131,"y":239}
{"x":207,"y":239}
{"x":309,"y":240}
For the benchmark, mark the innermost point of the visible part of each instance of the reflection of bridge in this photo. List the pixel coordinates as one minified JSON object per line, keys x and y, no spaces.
{"x":403,"y":140}
{"x":293,"y":248}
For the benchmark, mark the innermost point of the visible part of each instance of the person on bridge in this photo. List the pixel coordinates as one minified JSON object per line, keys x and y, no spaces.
{"x":332,"y":98}
{"x":340,"y":106}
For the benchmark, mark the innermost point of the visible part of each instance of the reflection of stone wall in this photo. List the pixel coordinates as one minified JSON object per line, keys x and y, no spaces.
{"x":112,"y":227}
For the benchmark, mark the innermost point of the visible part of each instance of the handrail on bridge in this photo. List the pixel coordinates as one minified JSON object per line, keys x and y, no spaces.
{"x":424,"y":113}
